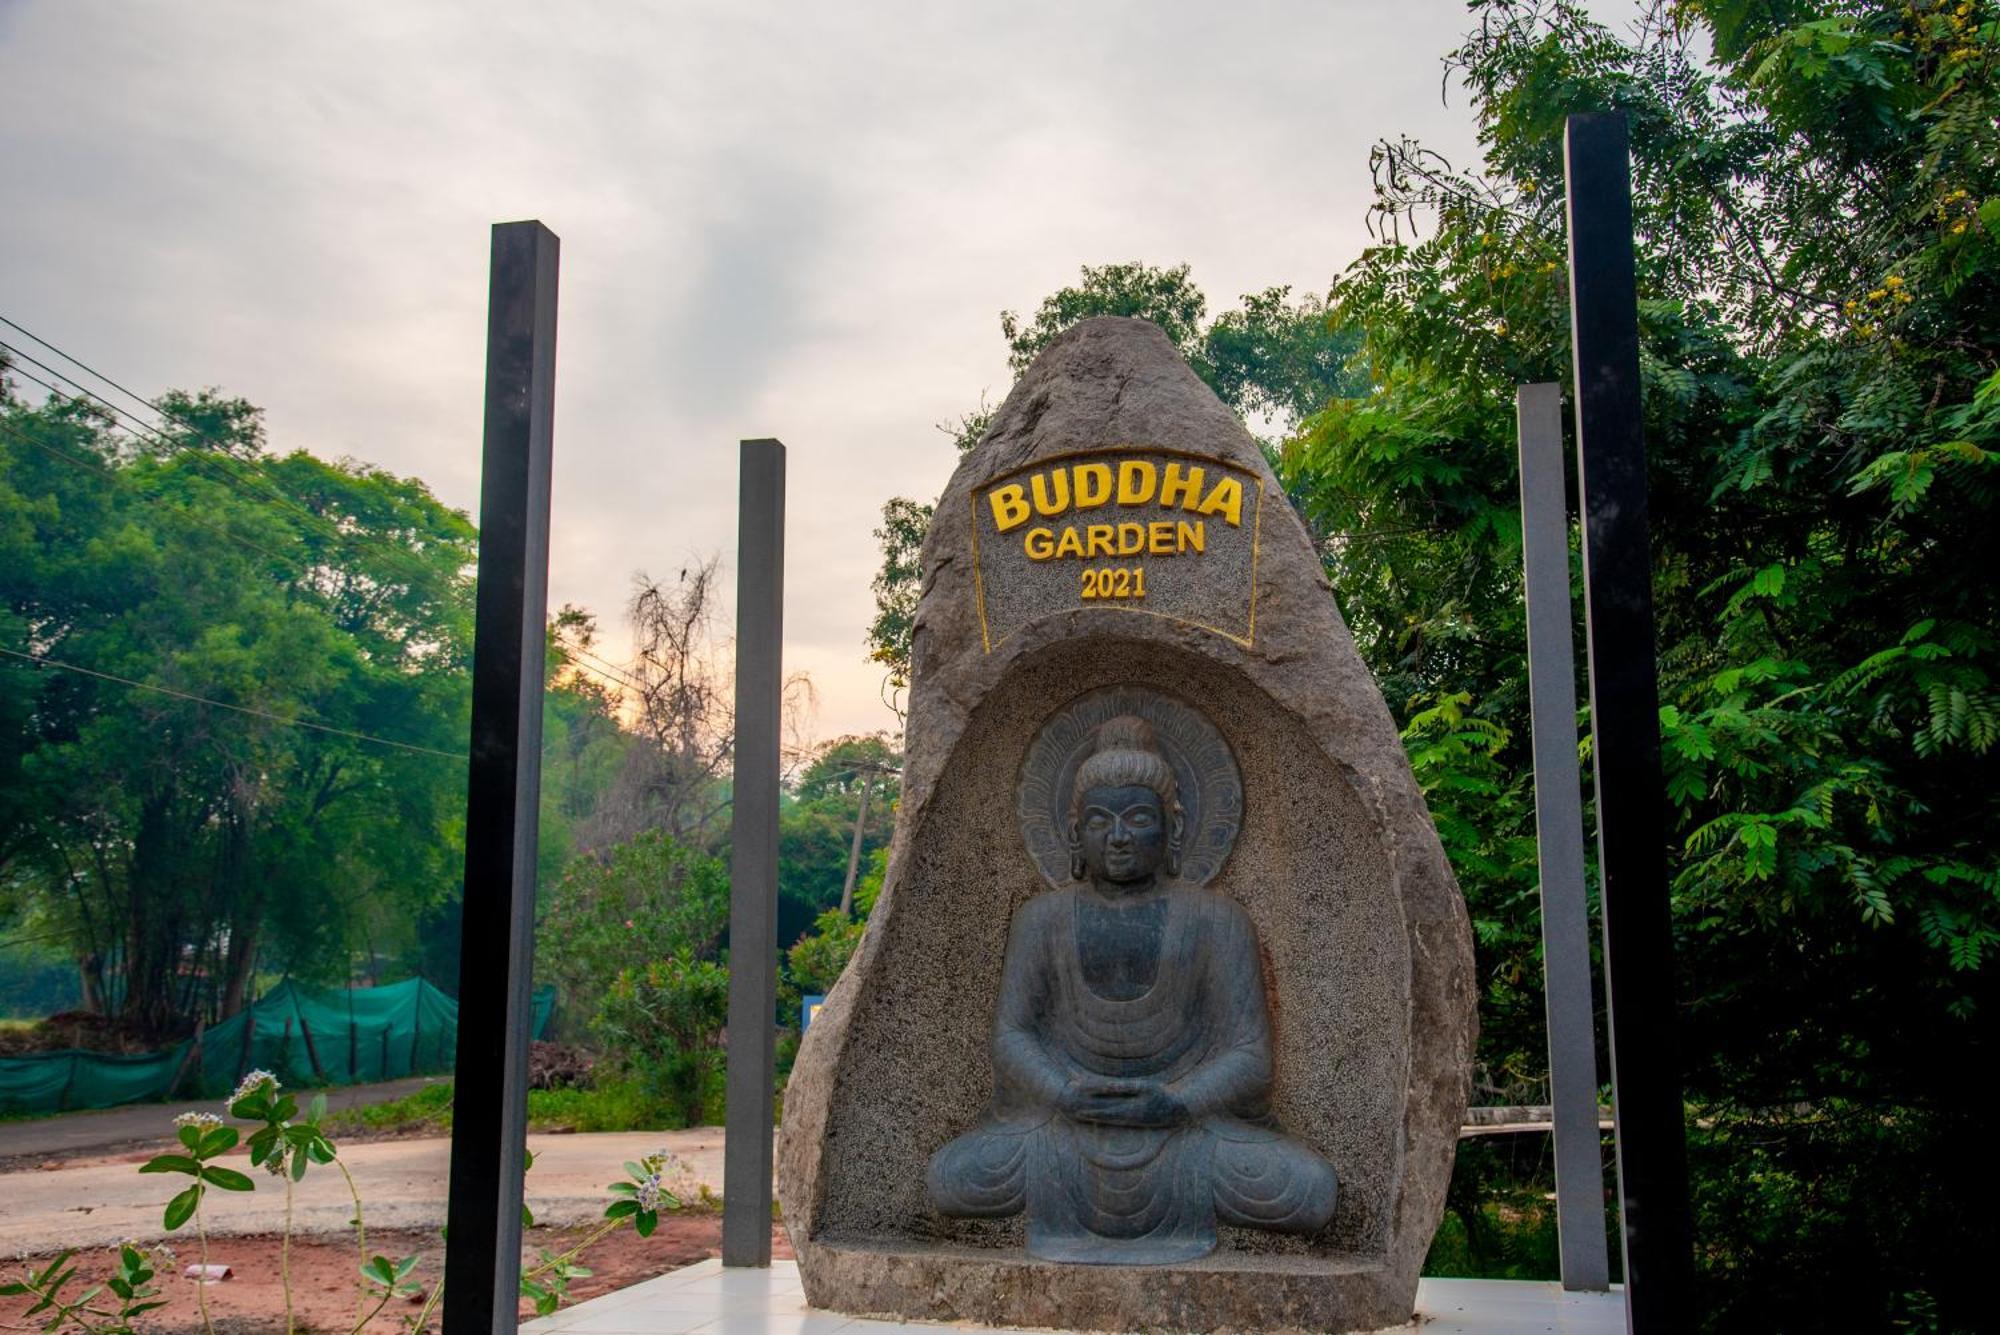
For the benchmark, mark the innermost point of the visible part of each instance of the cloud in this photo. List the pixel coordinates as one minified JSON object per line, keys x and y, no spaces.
{"x":776,"y":220}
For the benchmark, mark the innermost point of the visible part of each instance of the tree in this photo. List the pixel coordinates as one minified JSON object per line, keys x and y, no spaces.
{"x":674,"y":776}
{"x":640,"y":901}
{"x":178,"y":844}
{"x":1816,"y":212}
{"x":1167,"y":297}
{"x":819,"y":821}
{"x":898,"y":586}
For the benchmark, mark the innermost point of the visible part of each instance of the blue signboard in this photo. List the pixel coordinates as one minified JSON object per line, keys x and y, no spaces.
{"x":809,"y":1005}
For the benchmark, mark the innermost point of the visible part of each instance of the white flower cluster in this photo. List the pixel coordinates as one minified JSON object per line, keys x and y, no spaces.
{"x":250,"y":1081}
{"x":197,"y":1119}
{"x":649,"y":1192}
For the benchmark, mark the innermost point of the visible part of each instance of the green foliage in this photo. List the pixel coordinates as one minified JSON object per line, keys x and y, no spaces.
{"x":176,"y":851}
{"x":616,"y":912}
{"x":817,"y":959}
{"x":201,"y":1141}
{"x":284,"y":1145}
{"x":156,"y":830}
{"x":898,"y":585}
{"x":1500,"y":1218}
{"x":427,"y":1109}
{"x":816,"y":825}
{"x":1819,"y":342}
{"x":608,"y":1104}
{"x":664,"y":1019}
{"x":281,"y":1146}
{"x":1167,"y":297}
{"x":631,"y":938}
{"x":130,"y":1282}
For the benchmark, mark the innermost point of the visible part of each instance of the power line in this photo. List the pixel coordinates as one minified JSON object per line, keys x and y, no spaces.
{"x":78,"y":361}
{"x":122,"y":480}
{"x":152,"y":429}
{"x":86,"y":398}
{"x":41,"y":661}
{"x":620,"y":674}
{"x":223,"y":447}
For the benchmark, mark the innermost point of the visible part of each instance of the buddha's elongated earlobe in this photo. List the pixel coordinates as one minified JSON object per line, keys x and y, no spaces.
{"x":1077,"y":871}
{"x":1176,"y":827}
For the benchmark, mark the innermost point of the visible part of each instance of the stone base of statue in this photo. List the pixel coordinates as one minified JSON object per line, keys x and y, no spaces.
{"x":1223,"y":1291}
{"x":1164,"y":1017}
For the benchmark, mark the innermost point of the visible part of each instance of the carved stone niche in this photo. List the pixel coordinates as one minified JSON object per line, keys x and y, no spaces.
{"x":1301,"y":815}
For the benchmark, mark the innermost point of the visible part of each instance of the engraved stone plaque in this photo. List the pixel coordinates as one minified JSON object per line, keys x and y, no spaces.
{"x":1150,"y":531}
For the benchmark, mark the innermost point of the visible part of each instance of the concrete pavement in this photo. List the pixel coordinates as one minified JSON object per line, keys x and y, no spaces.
{"x":101,"y":1202}
{"x":71,"y":1133}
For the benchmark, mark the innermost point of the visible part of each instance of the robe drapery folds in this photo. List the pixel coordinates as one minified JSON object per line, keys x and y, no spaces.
{"x":1103,"y":1194}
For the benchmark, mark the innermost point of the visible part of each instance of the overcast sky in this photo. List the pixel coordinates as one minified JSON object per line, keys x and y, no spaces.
{"x":784,"y":220}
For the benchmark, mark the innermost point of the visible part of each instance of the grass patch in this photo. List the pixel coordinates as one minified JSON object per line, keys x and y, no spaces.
{"x":616,"y":1105}
{"x":427,"y":1109}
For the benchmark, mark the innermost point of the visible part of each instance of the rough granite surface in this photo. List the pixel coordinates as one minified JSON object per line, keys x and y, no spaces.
{"x":1368,"y":952}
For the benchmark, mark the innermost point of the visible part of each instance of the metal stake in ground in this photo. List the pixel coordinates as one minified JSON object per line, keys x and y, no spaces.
{"x":1559,"y":841}
{"x":490,"y":1105}
{"x":1625,"y":730}
{"x":753,"y":865}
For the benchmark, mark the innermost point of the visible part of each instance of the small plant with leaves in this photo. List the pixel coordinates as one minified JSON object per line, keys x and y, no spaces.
{"x":285,"y":1148}
{"x":131,"y":1284}
{"x":639,"y":1199}
{"x":203,"y":1139}
{"x":384,"y":1281}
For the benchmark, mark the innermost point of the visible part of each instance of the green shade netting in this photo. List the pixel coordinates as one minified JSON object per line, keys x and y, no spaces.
{"x":305,"y":1036}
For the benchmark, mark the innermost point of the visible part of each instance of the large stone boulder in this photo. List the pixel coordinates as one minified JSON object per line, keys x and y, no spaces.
{"x":1366,"y":952}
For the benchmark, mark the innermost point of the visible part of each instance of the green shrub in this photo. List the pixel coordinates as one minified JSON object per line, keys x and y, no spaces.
{"x":664,"y":1021}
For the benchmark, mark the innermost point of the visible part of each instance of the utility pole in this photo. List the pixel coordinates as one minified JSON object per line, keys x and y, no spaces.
{"x":854,"y":849}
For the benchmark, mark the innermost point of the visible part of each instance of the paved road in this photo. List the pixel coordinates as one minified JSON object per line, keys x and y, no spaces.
{"x":69,"y":1133}
{"x":99,"y":1202}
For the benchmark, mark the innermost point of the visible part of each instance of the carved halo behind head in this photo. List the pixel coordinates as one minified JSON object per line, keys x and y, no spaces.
{"x":1129,"y":735}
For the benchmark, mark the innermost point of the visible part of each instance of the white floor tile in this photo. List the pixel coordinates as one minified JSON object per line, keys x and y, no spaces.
{"x":706,"y":1299}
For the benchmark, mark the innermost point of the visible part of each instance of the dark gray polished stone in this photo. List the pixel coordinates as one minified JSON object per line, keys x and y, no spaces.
{"x":1132,"y":1048}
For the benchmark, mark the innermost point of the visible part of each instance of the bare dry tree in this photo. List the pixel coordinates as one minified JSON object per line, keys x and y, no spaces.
{"x":681,"y":701}
{"x":677,"y":688}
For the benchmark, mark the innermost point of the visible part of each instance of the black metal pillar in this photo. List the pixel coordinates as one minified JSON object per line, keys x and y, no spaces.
{"x":753,"y":864}
{"x":495,"y":1010}
{"x":1625,"y":731}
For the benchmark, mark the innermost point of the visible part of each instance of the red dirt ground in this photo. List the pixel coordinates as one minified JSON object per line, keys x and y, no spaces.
{"x":324,"y":1278}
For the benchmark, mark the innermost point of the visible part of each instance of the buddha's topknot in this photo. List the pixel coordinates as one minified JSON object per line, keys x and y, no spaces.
{"x":1126,"y":754}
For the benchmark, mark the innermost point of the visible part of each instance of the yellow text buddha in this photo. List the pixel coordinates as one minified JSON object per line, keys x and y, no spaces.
{"x":1133,"y":482}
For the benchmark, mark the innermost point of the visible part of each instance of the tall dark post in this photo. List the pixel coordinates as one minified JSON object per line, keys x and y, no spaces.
{"x":753,"y":864}
{"x":1625,"y":730}
{"x":489,"y":1125}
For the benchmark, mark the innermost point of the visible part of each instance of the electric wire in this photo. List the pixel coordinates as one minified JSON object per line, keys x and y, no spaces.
{"x":620,"y":674}
{"x":85,"y":393}
{"x":240,"y":479}
{"x":43,"y":661}
{"x":98,"y":466}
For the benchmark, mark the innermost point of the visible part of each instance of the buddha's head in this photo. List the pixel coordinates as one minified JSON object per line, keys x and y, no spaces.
{"x":1125,"y":814}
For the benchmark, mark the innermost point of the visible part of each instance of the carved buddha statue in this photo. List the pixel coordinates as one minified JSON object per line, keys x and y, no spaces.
{"x":1132,"y":1048}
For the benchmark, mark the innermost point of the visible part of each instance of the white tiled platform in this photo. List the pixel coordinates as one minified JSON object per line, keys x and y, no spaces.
{"x":704,"y":1297}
